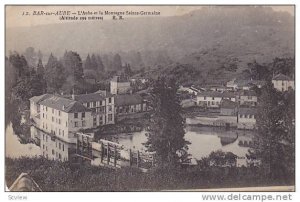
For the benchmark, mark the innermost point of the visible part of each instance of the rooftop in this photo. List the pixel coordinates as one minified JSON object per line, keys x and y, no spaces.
{"x":247,"y":93}
{"x":122,"y":100}
{"x":37,"y":99}
{"x":247,"y":111}
{"x":91,"y":97}
{"x":281,"y":77}
{"x":120,"y":79}
{"x":63,"y":104}
{"x":228,"y":104}
{"x":216,"y":94}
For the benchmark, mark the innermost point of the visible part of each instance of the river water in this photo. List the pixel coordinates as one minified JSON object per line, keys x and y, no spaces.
{"x":203,"y":141}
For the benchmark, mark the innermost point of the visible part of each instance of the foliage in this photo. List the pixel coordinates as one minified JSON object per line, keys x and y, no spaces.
{"x":275,"y":141}
{"x":58,"y":176}
{"x":167,"y":130}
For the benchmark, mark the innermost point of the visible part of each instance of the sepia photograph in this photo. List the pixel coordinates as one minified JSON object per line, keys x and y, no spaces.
{"x":140,"y":98}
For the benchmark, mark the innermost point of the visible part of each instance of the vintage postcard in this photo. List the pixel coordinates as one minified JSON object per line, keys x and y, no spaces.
{"x":149,"y":98}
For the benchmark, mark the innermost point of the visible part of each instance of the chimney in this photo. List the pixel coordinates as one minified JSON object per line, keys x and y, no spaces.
{"x":64,"y":107}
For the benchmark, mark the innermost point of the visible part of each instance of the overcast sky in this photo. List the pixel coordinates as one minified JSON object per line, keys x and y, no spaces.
{"x":14,"y":16}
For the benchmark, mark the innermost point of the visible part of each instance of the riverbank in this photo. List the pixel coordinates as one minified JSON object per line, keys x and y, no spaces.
{"x":58,"y":176}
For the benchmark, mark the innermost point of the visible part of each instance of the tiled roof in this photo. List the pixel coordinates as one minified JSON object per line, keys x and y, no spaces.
{"x":228,"y":104}
{"x":122,"y":100}
{"x":37,"y":99}
{"x":281,"y":77}
{"x":217,"y":94}
{"x":64,"y":104}
{"x":247,"y":111}
{"x":247,"y":93}
{"x":91,"y":97}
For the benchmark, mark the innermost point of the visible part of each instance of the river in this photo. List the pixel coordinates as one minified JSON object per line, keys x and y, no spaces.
{"x":203,"y":141}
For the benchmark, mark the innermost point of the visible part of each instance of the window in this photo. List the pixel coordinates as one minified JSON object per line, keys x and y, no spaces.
{"x":59,"y":121}
{"x":94,"y":104}
{"x":63,"y":132}
{"x":52,"y":119}
{"x":109,"y":108}
{"x":58,"y":131}
{"x":83,"y":115}
{"x":52,"y":151}
{"x":249,"y":97}
{"x":43,"y":115}
{"x":46,"y":109}
{"x":75,"y":124}
{"x":59,"y":145}
{"x":110,"y":117}
{"x":83,"y":123}
{"x":88,"y":105}
{"x":52,"y":111}
{"x":94,"y":121}
{"x":59,"y":113}
{"x":66,"y":123}
{"x":212,"y":102}
{"x":63,"y":147}
{"x":213,"y":98}
{"x":109,"y":100}
{"x":241,"y":115}
{"x":204,"y":97}
{"x":75,"y":115}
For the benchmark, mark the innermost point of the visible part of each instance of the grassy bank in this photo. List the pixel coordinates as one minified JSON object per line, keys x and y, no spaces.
{"x":57,"y":176}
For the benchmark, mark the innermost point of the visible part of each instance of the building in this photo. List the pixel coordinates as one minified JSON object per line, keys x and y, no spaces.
{"x":246,"y":118}
{"x":247,"y":98}
{"x":228,"y":108}
{"x":235,"y":84}
{"x":55,"y":149}
{"x":129,"y":104}
{"x":212,"y":99}
{"x":61,"y":117}
{"x":283,"y":83}
{"x":102,"y":105}
{"x":120,"y":85}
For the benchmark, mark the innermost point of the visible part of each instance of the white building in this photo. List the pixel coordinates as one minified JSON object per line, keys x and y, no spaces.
{"x":283,"y":83}
{"x":246,"y":118}
{"x":248,"y":98}
{"x":120,"y":85}
{"x":59,"y":116}
{"x":212,"y":99}
{"x":102,"y":105}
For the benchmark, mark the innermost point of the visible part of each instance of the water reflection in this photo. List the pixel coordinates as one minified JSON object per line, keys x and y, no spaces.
{"x":14,"y":148}
{"x":203,"y":140}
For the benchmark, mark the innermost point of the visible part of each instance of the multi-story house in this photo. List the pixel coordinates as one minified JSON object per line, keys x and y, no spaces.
{"x":283,"y":83}
{"x":102,"y":105}
{"x":248,"y":98}
{"x":212,"y":99}
{"x":120,"y":85}
{"x":129,"y":104}
{"x":60,"y":116}
{"x":246,"y":118}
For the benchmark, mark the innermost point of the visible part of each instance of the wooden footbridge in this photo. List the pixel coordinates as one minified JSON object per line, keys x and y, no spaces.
{"x":111,"y":154}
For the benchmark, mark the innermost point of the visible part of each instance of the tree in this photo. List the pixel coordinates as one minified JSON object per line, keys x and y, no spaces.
{"x":94,"y":64}
{"x":73,"y":65}
{"x":87,"y":63}
{"x":127,"y":70}
{"x":101,"y":67}
{"x":117,"y":62}
{"x":274,"y":143}
{"x":166,"y":126}
{"x":258,"y":71}
{"x":31,"y":56}
{"x":54,"y":75}
{"x":40,"y":68}
{"x":284,"y":65}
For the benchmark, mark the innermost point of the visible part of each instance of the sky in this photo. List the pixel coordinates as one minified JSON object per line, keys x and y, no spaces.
{"x":14,"y":17}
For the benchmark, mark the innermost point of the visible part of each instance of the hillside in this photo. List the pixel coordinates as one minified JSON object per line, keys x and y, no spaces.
{"x":206,"y":39}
